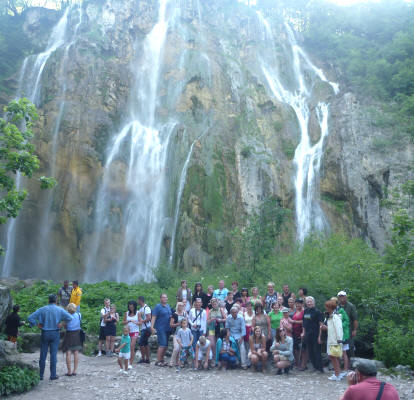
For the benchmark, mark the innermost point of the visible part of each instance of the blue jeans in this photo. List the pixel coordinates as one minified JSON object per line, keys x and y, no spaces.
{"x":230,"y":360}
{"x":196,"y":336}
{"x":49,"y":338}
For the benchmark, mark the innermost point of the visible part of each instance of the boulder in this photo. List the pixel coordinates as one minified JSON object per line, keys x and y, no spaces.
{"x":10,"y":356}
{"x":355,"y":360}
{"x":5,"y":304}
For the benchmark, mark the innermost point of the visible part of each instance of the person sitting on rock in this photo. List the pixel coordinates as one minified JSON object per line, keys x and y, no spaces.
{"x":13,"y":323}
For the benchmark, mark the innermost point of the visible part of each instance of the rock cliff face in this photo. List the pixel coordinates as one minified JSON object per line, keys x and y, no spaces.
{"x":232,"y":145}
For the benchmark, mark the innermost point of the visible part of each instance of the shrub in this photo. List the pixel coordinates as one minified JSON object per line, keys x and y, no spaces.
{"x":14,"y":379}
{"x":394,"y":343}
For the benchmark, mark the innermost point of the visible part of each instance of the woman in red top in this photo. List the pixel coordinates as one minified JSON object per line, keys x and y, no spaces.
{"x":299,"y":351}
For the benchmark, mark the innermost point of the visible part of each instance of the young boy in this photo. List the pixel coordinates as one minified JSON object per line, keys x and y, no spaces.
{"x":203,"y":352}
{"x":124,"y":350}
{"x":185,"y":339}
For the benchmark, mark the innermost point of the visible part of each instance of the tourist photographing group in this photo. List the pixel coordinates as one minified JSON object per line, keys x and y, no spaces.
{"x":218,"y":328}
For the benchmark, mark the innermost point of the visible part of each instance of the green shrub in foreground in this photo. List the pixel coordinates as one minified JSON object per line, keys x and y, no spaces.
{"x":14,"y":379}
{"x":394,"y":343}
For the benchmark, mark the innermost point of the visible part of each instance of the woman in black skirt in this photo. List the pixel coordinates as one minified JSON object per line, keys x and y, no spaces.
{"x":72,"y":342}
{"x":110,"y":330}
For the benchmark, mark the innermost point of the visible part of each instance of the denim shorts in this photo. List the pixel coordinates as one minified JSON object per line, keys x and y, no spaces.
{"x":162,"y":337}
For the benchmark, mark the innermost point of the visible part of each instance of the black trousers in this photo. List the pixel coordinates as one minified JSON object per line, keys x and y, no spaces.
{"x":314,"y":351}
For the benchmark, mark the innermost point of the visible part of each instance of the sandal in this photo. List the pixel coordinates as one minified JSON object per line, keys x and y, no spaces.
{"x":73,"y":373}
{"x":160,"y":364}
{"x":68,"y":374}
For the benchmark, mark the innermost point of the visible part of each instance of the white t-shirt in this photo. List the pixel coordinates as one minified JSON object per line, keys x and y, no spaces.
{"x":103,"y":312}
{"x":144,"y":311}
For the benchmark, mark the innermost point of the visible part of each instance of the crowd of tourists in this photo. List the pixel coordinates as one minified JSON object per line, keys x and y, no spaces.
{"x":217,"y":328}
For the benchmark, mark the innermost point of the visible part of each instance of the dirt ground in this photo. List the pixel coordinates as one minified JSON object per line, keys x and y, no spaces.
{"x":98,"y":378}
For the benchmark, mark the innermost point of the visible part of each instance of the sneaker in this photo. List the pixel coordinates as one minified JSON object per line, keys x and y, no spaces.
{"x":147,"y":361}
{"x":121,"y":370}
{"x":129,"y":366}
{"x":124,"y":372}
{"x":343,"y":374}
{"x":99,"y":354}
{"x":334,"y":378}
{"x":142,"y":361}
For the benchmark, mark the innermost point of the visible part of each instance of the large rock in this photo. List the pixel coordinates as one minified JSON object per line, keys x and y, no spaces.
{"x":10,"y":356}
{"x":5,"y":304}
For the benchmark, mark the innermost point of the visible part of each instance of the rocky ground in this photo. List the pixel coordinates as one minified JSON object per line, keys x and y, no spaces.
{"x":98,"y":378}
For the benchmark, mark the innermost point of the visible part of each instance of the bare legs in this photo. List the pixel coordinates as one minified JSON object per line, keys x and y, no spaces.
{"x":260,"y":356}
{"x":75,"y":362}
{"x":281,"y":364}
{"x":335,"y":364}
{"x":133,"y":342}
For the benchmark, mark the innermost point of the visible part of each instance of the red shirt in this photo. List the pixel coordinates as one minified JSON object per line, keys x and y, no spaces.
{"x":297,"y":328}
{"x":368,"y":390}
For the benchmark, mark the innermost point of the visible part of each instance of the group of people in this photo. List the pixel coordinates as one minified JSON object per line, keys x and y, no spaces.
{"x":229,"y":328}
{"x":217,"y":328}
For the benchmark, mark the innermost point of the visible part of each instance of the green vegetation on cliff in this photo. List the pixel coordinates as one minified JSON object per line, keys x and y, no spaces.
{"x":17,"y":155}
{"x":371,"y":47}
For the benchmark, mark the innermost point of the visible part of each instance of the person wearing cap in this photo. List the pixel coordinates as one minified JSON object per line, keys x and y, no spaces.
{"x":64,"y":294}
{"x":353,"y":318}
{"x":363,"y":384}
{"x":285,"y":322}
{"x":48,"y":319}
{"x":76,"y":295}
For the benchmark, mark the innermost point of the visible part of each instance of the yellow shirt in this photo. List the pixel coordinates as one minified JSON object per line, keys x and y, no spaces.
{"x":75,"y":296}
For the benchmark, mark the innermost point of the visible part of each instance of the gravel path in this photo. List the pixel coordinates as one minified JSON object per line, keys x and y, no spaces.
{"x":98,"y":378}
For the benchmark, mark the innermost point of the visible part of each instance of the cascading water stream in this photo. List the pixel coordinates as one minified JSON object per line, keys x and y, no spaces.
{"x":181,"y":186}
{"x":136,"y":160}
{"x":45,"y":222}
{"x":307,"y":159}
{"x":29,"y":87}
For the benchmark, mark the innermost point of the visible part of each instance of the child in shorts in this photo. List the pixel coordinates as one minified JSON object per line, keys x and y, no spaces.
{"x":185,"y":339}
{"x":124,"y":350}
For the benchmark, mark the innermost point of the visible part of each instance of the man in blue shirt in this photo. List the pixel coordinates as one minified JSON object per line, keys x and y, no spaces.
{"x":235,"y":323}
{"x":221,"y":292}
{"x":161,"y":315}
{"x":48,"y":319}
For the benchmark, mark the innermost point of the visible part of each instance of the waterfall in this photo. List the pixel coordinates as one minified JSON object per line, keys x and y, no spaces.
{"x":29,"y":85}
{"x":181,"y":186}
{"x":45,"y":222}
{"x":134,"y":181}
{"x":307,"y":159}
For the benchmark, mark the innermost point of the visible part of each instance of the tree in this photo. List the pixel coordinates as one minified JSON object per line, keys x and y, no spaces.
{"x":17,"y":155}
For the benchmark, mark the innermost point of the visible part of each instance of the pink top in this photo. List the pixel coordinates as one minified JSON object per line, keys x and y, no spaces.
{"x":368,"y":390}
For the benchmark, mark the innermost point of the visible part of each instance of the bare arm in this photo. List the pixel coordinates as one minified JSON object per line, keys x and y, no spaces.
{"x":269,"y":331}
